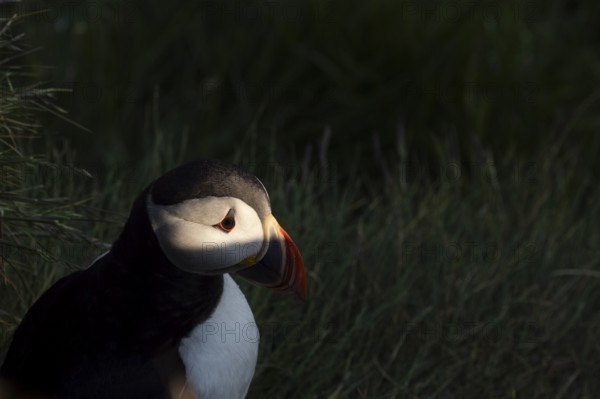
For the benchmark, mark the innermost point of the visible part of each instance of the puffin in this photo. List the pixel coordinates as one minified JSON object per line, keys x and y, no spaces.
{"x":159,"y":315}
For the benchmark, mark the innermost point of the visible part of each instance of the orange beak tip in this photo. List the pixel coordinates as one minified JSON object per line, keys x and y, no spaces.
{"x":298,"y":285}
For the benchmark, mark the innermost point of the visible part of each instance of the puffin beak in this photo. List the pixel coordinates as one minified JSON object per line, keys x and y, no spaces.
{"x":281,"y":268}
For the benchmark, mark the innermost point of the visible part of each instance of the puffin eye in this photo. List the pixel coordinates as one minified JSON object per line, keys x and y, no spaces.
{"x":228,"y":222}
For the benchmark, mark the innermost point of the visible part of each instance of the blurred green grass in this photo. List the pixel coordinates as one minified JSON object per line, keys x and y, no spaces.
{"x":484,"y":286}
{"x":512,"y":73}
{"x":437,"y":176}
{"x":485,"y":290}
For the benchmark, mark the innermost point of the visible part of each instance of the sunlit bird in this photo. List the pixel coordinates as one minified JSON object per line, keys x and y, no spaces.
{"x":159,"y":316}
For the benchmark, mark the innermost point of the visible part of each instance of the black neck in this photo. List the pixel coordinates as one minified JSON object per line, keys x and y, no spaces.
{"x":153,"y":301}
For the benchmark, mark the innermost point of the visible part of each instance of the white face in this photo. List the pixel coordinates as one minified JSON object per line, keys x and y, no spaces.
{"x":190,"y":238}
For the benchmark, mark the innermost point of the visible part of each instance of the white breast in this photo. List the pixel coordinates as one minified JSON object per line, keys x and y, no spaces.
{"x":220,"y":354}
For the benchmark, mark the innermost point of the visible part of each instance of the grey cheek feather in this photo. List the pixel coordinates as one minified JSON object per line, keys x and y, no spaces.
{"x":265,"y":190}
{"x":207,"y":211}
{"x":187,"y":237}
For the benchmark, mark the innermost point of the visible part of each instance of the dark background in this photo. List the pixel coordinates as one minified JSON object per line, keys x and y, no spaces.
{"x":513,"y":76}
{"x":435,"y":161}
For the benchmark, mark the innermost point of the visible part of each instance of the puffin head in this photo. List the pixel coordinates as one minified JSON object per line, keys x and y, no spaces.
{"x":212,"y":217}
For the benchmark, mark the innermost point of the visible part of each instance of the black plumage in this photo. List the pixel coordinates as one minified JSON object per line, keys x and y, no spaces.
{"x":107,"y":322}
{"x":209,"y":177}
